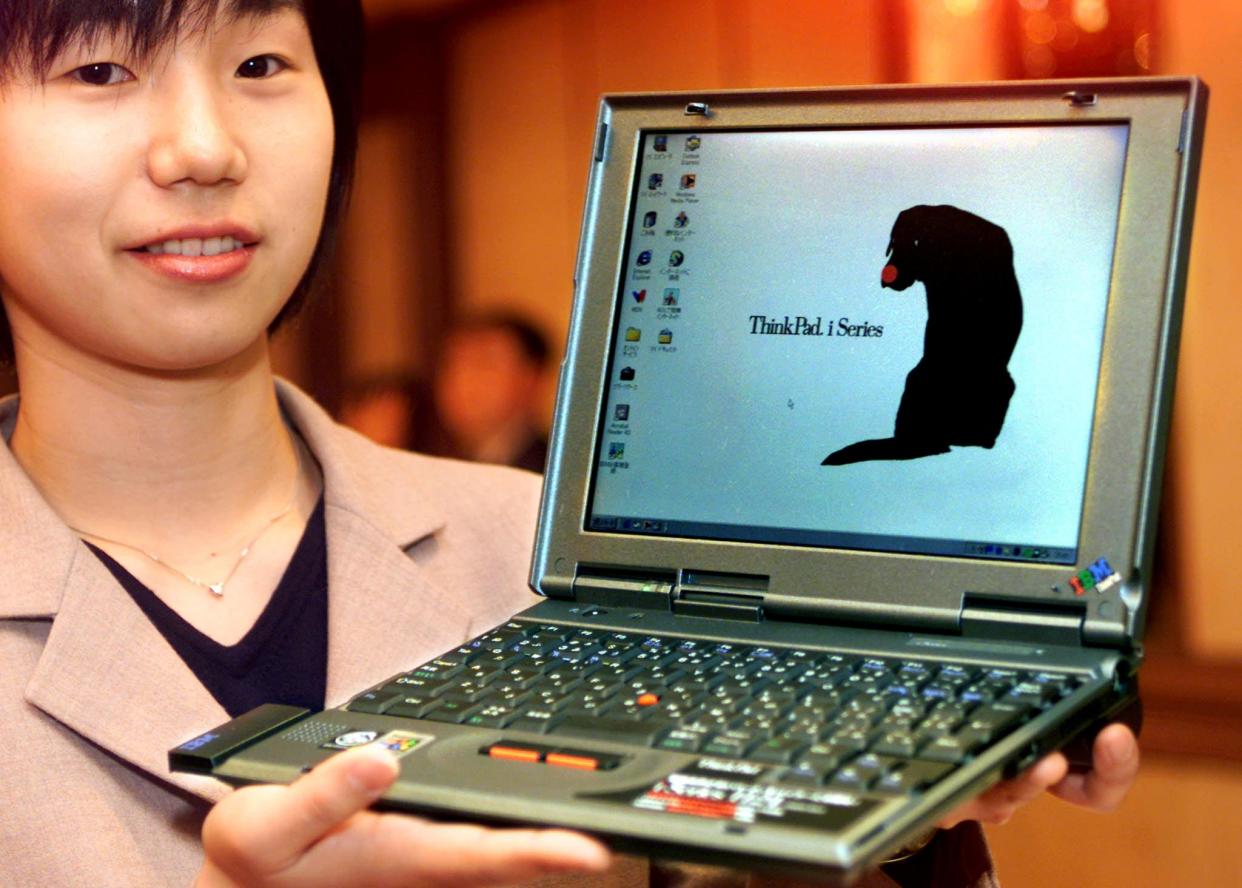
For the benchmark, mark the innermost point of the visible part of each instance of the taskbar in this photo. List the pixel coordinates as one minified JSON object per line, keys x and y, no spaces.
{"x":831,"y":539}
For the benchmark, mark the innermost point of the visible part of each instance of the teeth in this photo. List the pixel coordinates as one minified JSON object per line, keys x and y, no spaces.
{"x":193,"y":246}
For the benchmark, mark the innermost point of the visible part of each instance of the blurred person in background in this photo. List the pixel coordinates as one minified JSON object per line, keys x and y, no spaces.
{"x":487,"y":391}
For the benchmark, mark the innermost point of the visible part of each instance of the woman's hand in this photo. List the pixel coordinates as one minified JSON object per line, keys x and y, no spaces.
{"x":318,"y":831}
{"x":1114,"y":763}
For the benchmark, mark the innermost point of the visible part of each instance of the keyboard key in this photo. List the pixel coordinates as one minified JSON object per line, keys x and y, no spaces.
{"x":733,"y":747}
{"x":850,"y":738}
{"x":437,"y":669}
{"x":453,"y":710}
{"x":412,"y":707}
{"x":492,"y":717}
{"x":802,"y":775}
{"x":860,"y":773}
{"x":537,"y":721}
{"x":680,"y":740}
{"x":912,"y":776}
{"x":373,"y":701}
{"x":777,"y":750}
{"x":902,"y":743}
{"x":999,"y":718}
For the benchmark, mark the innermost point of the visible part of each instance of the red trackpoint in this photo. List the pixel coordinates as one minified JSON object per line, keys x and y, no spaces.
{"x":889,"y":274}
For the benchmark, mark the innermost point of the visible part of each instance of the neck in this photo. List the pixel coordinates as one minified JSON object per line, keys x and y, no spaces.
{"x":156,"y":459}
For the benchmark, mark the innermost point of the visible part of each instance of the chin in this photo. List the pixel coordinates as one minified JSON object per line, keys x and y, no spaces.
{"x":196,"y":355}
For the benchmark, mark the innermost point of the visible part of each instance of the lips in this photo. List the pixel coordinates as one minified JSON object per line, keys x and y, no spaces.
{"x":198,"y":253}
{"x":199,"y":232}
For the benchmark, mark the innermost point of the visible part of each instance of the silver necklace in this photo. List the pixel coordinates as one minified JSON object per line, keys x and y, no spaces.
{"x":216,"y":588}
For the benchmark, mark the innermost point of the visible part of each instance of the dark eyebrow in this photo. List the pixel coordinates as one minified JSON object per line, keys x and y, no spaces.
{"x":34,"y":33}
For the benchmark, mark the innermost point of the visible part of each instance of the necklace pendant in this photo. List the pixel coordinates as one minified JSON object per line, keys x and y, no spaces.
{"x":217,"y":589}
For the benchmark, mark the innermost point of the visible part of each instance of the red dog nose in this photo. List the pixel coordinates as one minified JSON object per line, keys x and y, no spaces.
{"x":889,"y":274}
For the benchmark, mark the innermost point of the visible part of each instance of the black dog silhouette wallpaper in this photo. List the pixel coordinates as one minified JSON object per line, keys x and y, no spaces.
{"x":959,"y":391}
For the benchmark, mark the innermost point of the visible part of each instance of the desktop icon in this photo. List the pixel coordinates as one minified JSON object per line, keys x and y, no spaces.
{"x":639,"y":295}
{"x":660,"y":143}
{"x":671,"y":295}
{"x":693,"y":143}
{"x":666,"y":337}
{"x":627,"y":374}
{"x":687,"y":181}
{"x":621,"y":412}
{"x":649,"y":219}
{"x":675,"y":258}
{"x":682,"y":220}
{"x":633,"y":334}
{"x":616,"y":450}
{"x":655,"y":181}
{"x":644,"y":258}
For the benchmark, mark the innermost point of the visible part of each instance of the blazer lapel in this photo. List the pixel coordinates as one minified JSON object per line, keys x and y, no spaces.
{"x":105,"y":671}
{"x":108,"y":674}
{"x":384,"y":615}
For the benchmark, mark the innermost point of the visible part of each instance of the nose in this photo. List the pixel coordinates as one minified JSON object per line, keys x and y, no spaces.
{"x":192,"y":136}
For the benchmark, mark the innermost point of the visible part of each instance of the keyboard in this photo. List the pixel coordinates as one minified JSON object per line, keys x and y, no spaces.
{"x":830,"y":719}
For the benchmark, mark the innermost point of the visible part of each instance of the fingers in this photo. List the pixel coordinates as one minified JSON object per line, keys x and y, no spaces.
{"x":1114,"y":765}
{"x":398,"y":850}
{"x":261,"y":830}
{"x":999,"y":803}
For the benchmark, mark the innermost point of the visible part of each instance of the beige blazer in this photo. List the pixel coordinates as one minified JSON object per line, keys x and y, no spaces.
{"x":422,"y":554}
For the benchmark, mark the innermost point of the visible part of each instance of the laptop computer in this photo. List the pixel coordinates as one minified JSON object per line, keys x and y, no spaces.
{"x":851,"y":499}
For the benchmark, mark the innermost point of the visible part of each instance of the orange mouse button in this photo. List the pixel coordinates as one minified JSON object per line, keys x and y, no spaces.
{"x":564,"y":760}
{"x":514,"y":754}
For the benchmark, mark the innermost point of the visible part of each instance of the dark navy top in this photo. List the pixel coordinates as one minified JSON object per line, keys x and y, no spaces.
{"x":284,"y":656}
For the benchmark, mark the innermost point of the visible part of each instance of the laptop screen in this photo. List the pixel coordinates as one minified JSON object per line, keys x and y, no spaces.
{"x":883,"y":339}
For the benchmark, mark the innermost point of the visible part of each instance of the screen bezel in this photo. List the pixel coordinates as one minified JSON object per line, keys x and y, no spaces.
{"x":1134,"y":386}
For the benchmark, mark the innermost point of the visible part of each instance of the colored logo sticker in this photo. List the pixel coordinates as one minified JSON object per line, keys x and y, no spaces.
{"x":1099,"y":575}
{"x":401,"y":743}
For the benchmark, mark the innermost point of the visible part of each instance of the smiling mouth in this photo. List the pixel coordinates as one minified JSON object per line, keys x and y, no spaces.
{"x":195,"y":246}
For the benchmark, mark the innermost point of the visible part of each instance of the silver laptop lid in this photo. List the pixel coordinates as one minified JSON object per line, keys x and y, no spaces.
{"x":878,"y":354}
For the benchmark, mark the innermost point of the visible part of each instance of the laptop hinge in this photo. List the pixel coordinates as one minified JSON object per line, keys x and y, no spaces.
{"x":720,"y":596}
{"x":619,"y":587}
{"x":1001,"y":618}
{"x":688,"y":592}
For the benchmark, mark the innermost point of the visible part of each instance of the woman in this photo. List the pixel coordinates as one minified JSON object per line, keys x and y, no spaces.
{"x":184,"y":536}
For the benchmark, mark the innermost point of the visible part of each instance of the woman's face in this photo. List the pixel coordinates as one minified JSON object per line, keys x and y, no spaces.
{"x":225,"y":136}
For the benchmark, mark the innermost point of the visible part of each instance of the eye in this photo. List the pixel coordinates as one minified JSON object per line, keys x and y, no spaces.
{"x":260,"y":67}
{"x":101,"y":74}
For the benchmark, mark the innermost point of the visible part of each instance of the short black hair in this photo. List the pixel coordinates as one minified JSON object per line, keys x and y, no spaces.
{"x":532,"y":343}
{"x":34,"y":32}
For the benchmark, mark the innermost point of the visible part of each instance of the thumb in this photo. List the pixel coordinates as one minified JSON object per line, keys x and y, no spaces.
{"x":332,"y":793}
{"x":263,"y":830}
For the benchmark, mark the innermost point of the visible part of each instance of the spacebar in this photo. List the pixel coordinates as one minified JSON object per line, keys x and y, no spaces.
{"x":590,"y":727}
